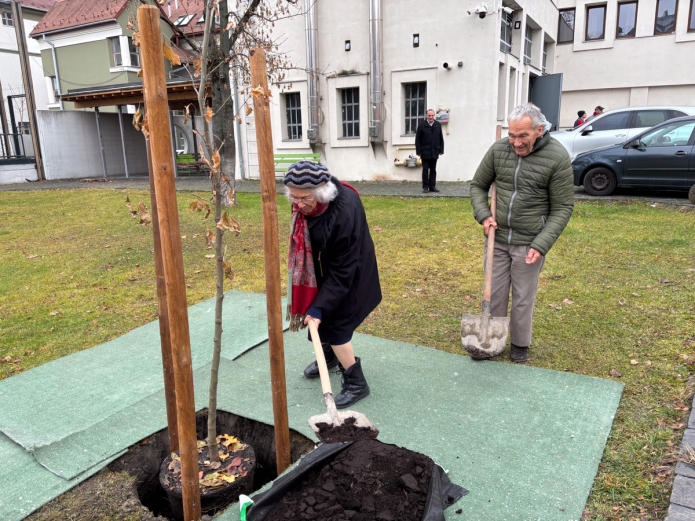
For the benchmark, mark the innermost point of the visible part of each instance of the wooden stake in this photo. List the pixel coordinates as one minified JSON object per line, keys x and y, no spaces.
{"x":156,"y":104}
{"x":264,"y":139}
{"x":163,"y":312}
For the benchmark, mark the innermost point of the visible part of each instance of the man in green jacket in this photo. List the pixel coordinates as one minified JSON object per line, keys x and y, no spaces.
{"x":535,"y":197}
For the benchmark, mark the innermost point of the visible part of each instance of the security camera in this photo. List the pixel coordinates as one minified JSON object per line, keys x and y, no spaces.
{"x":482,"y":10}
{"x":507,"y":10}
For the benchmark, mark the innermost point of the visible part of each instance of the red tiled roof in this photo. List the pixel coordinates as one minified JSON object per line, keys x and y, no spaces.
{"x":40,"y":5}
{"x":66,"y":14}
{"x":181,"y":8}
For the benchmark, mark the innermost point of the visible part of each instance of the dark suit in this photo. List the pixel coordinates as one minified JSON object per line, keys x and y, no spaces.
{"x":429,"y":144}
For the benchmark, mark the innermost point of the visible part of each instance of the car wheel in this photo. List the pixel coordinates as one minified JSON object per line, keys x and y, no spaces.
{"x":600,"y":181}
{"x":691,"y":194}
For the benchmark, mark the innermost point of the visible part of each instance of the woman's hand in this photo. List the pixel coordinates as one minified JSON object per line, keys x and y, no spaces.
{"x":308,"y":318}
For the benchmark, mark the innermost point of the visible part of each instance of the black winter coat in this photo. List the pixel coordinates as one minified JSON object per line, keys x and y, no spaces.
{"x":345,"y":264}
{"x":429,"y":142}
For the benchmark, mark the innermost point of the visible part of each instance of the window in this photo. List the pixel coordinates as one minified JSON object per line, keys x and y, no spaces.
{"x":545,"y":57}
{"x":565,"y":32}
{"x":595,"y":22}
{"x":56,"y":90}
{"x":351,"y":112}
{"x":7,"y":19}
{"x":117,"y":56}
{"x":528,"y":44}
{"x":293,"y":106}
{"x":649,"y":118}
{"x":611,"y":121}
{"x":627,"y":19}
{"x":671,"y":135}
{"x":23,"y":127}
{"x":506,"y":33}
{"x":665,"y":17}
{"x":134,"y":54}
{"x":184,"y":20}
{"x":691,"y":18}
{"x":415,"y":98}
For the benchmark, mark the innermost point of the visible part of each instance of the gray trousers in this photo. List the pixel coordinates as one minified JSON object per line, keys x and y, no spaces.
{"x":510,"y":272}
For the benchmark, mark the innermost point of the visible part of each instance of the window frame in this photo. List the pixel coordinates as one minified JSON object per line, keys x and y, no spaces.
{"x":617,"y":21}
{"x":350,"y":126}
{"x":408,"y":117}
{"x":116,"y":42}
{"x":691,"y":21}
{"x":293,"y":128}
{"x":636,"y":112}
{"x":586,"y":27}
{"x":544,"y":59}
{"x":528,"y":44}
{"x":559,"y":24}
{"x":675,"y":19}
{"x":628,"y":121}
{"x":7,"y":19}
{"x":508,"y":21}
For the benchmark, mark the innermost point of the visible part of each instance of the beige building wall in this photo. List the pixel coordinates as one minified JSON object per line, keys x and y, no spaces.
{"x":477,"y":95}
{"x":647,"y":69}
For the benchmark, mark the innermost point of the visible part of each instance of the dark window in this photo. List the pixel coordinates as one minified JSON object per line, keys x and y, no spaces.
{"x":506,"y":33}
{"x":671,"y":135}
{"x":117,"y":56}
{"x":7,"y":19}
{"x":54,"y":85}
{"x":528,"y":44}
{"x":23,"y":127}
{"x":545,"y":57}
{"x":627,"y":18}
{"x":294,"y":115}
{"x":649,"y":118}
{"x":677,"y":114}
{"x":565,"y":32}
{"x":665,"y":16}
{"x":691,"y":18}
{"x":415,"y":98}
{"x":611,"y":121}
{"x":134,"y":53}
{"x":595,"y":22}
{"x":351,"y":112}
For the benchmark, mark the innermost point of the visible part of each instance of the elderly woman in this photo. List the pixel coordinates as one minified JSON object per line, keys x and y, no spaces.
{"x":332,"y":269}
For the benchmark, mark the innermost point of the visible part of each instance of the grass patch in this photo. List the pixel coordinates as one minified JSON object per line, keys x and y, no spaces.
{"x":617,"y":294}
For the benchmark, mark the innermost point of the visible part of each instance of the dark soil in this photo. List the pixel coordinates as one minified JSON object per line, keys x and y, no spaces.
{"x":369,"y":481}
{"x":347,"y":431}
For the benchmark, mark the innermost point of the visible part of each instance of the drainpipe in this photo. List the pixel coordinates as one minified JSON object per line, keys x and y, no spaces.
{"x":312,"y":69}
{"x":240,"y":146}
{"x":55,"y":68}
{"x":376,"y":79}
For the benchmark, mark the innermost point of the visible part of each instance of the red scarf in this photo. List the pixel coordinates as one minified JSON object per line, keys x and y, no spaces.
{"x":301,"y":285}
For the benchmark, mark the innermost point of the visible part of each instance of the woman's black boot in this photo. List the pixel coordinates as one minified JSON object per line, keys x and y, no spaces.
{"x":354,"y":386}
{"x":312,"y":370}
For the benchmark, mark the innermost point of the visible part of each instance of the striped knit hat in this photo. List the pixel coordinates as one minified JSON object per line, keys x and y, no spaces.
{"x":306,"y":174}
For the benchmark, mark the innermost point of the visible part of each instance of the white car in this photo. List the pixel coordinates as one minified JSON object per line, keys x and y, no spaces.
{"x":616,"y":126}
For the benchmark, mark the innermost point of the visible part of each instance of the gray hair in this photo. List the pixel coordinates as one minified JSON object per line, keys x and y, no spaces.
{"x":323,"y":193}
{"x":529,"y":110}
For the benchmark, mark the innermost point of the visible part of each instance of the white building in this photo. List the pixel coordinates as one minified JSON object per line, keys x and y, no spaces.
{"x":628,"y":53}
{"x":382,"y":66}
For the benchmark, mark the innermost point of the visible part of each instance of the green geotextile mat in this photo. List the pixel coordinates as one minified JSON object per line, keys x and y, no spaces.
{"x":48,"y":407}
{"x":25,"y":485}
{"x":525,"y":441}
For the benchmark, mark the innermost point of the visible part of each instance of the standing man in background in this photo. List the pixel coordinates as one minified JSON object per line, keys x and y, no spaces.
{"x":429,"y":145}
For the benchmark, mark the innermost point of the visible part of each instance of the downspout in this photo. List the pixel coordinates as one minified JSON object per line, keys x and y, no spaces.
{"x":55,"y":68}
{"x":237,"y":125}
{"x":376,"y":78}
{"x":312,"y":31}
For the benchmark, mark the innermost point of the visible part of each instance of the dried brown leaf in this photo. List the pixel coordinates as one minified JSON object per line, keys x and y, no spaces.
{"x":136,"y":39}
{"x":139,"y":73}
{"x":209,"y":236}
{"x":208,"y":114}
{"x":137,"y":118}
{"x":228,"y":223}
{"x":216,"y":161}
{"x":186,"y":115}
{"x":130,"y":25}
{"x":615,"y":373}
{"x":144,"y":215}
{"x":170,"y":55}
{"x":238,"y":119}
{"x":197,"y":66}
{"x":228,"y":272}
{"x":249,"y":110}
{"x":145,"y":129}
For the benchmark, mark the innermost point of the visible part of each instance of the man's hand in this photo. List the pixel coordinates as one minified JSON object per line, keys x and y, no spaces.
{"x":533,"y":256}
{"x":490,"y":221}
{"x":308,"y":318}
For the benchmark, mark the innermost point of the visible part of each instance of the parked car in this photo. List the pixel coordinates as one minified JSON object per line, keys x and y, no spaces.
{"x":616,"y":126}
{"x":660,"y":158}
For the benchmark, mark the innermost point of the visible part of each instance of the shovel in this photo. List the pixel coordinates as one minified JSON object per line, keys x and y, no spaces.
{"x":355,"y":422}
{"x":485,"y":336}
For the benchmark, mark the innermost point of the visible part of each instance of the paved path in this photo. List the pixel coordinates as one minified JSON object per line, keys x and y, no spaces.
{"x":378,"y":188}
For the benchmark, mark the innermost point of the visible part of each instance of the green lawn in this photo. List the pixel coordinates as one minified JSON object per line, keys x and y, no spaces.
{"x":617,"y":294}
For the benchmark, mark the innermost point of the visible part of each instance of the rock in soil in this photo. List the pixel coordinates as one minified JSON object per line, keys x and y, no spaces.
{"x":347,"y":431}
{"x":369,"y":481}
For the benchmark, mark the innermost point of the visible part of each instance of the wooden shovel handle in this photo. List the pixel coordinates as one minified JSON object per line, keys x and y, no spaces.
{"x":320,"y":358}
{"x":487,"y":286}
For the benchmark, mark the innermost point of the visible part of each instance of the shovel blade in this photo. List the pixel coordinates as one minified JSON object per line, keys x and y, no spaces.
{"x":358,"y":419}
{"x":484,"y":336}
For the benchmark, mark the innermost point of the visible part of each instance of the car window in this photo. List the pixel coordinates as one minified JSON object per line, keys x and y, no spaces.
{"x":611,"y":121}
{"x":671,"y":135}
{"x":649,"y":118}
{"x":677,"y":114}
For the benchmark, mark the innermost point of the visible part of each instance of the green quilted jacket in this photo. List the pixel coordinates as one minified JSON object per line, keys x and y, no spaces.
{"x":535,"y":193}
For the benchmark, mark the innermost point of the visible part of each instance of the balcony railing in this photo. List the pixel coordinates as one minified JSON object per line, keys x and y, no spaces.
{"x":12,"y":146}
